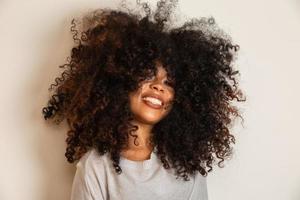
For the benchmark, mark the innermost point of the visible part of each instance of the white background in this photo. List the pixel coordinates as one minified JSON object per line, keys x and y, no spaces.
{"x":35,"y":40}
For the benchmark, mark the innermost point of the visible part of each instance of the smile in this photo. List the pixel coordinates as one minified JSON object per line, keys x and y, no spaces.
{"x":153,"y":102}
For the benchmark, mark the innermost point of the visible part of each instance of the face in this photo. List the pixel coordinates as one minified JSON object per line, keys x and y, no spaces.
{"x":153,"y":100}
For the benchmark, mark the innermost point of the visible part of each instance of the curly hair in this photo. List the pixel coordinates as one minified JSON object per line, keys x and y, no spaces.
{"x":115,"y":52}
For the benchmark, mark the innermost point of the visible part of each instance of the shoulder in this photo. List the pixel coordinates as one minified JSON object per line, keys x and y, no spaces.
{"x":90,"y":177}
{"x":92,"y":160}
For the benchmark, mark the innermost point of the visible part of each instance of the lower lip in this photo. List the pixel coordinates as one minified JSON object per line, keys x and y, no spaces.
{"x":152,"y":105}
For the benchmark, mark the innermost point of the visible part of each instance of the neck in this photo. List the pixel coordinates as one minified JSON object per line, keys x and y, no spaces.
{"x":142,"y":141}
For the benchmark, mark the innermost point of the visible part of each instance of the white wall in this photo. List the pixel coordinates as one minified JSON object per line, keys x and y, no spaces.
{"x":35,"y":40}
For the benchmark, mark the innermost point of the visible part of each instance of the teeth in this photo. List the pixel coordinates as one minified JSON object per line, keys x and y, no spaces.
{"x":153,"y":100}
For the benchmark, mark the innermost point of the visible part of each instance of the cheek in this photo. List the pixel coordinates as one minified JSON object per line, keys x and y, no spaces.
{"x":171,"y":97}
{"x":133,"y":99}
{"x":170,"y":102}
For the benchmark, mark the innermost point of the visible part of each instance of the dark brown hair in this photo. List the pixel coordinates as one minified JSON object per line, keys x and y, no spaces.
{"x":116,"y":51}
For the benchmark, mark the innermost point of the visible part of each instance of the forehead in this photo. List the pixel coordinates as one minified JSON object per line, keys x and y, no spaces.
{"x":160,"y":70}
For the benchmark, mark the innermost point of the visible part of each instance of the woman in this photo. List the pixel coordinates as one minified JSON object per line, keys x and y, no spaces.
{"x":148,"y":105}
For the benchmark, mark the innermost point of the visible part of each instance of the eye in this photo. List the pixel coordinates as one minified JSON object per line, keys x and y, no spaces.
{"x":148,"y":78}
{"x":168,"y":82}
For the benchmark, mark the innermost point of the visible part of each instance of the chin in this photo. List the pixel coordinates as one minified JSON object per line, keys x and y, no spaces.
{"x":148,"y":119}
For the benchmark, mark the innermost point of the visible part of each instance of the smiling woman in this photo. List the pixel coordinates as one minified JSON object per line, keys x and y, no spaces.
{"x":153,"y":100}
{"x":149,"y":104}
{"x":146,"y":105}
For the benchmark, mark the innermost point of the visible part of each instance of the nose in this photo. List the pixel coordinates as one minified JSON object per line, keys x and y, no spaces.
{"x":157,"y":86}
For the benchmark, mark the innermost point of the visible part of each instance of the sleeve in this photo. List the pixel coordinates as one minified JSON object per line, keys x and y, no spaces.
{"x":81,"y":187}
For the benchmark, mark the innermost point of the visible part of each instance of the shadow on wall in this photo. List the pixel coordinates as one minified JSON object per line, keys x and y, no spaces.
{"x":297,"y":5}
{"x":55,"y":173}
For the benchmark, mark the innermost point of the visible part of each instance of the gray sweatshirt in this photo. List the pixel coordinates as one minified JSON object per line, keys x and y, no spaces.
{"x":95,"y":179}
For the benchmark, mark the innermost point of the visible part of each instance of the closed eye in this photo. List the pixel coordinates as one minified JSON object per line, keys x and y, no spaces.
{"x":169,"y":82}
{"x":149,"y":78}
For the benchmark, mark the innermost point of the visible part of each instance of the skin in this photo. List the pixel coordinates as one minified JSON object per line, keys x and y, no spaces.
{"x":145,"y":116}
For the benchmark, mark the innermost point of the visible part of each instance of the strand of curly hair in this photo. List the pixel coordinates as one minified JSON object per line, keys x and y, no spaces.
{"x":114,"y":53}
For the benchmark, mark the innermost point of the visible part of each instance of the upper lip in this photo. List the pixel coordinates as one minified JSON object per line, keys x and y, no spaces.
{"x":154,"y":96}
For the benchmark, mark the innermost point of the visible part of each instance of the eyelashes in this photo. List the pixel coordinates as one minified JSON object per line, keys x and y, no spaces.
{"x":167,"y":82}
{"x":170,"y":82}
{"x":148,"y":78}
